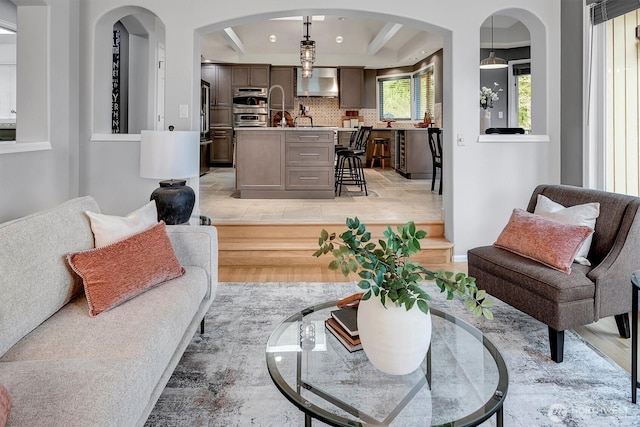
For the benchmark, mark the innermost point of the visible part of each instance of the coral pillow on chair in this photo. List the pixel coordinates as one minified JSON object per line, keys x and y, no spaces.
{"x":5,"y":405}
{"x":120,"y":271}
{"x":544,"y":240}
{"x":585,"y":214}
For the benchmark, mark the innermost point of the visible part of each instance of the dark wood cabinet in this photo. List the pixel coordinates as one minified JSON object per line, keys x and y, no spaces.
{"x":221,"y":148}
{"x":219,"y":77}
{"x":221,"y":96}
{"x":414,"y":155}
{"x":250,"y":75}
{"x":351,"y":87}
{"x":285,"y":77}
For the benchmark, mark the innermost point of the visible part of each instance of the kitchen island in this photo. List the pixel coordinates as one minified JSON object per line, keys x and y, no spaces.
{"x":285,"y":163}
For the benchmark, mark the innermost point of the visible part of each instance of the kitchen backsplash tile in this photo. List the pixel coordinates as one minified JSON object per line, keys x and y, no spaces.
{"x":327,"y":112}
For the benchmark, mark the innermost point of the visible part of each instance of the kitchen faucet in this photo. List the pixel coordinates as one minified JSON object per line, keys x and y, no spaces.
{"x":283,"y":120}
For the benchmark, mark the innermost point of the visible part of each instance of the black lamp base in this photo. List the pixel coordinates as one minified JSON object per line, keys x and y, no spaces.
{"x":174,"y":201}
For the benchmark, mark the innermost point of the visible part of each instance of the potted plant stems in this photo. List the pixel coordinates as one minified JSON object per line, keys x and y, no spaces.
{"x":392,"y":293}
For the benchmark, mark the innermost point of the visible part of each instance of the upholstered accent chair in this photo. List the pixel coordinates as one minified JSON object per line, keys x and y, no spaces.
{"x":589,"y":293}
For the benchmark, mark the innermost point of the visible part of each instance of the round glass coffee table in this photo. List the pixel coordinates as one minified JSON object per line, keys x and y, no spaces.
{"x":463,"y":380}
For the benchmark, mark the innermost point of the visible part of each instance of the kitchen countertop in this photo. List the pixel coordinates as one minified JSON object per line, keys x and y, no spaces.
{"x":321,"y":128}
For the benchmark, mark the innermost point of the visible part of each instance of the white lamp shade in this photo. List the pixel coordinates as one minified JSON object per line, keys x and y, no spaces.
{"x":169,"y":154}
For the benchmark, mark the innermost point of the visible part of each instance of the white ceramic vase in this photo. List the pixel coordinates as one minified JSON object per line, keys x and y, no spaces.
{"x":395,"y":340}
{"x":485,"y":120}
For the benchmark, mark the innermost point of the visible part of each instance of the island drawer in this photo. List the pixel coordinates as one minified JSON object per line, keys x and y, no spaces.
{"x":302,"y":154}
{"x":308,"y":136}
{"x":305,"y":178}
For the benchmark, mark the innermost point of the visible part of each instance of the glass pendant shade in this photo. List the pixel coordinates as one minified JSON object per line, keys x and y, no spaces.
{"x":492,"y":62}
{"x":307,"y":51}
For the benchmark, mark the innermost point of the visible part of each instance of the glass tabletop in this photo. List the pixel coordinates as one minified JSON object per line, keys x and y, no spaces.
{"x":462,"y":381}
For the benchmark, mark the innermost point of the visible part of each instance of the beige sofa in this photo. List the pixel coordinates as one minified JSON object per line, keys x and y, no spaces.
{"x":65,"y":368}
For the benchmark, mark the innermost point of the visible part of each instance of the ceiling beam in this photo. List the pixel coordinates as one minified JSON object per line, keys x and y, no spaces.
{"x":385,"y":34}
{"x":232,"y":38}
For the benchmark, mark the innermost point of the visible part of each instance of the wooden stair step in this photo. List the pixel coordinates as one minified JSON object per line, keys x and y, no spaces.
{"x":261,"y":231}
{"x":294,"y":244}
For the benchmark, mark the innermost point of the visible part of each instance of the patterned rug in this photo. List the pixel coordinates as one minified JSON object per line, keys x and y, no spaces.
{"x":222,"y":379}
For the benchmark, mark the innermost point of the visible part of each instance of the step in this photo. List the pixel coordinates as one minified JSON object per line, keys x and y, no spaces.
{"x":262,"y":231}
{"x":285,"y":245}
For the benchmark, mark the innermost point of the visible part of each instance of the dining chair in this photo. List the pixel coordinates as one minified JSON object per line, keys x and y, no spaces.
{"x":435,"y":145}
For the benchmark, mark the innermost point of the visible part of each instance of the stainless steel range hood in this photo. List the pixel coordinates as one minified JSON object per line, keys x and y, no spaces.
{"x":324,"y":83}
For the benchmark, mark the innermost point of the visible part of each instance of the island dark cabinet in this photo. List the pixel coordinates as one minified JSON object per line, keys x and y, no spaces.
{"x":280,"y":164}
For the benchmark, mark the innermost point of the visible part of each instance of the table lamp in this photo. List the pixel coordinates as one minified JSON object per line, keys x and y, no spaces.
{"x":171,"y":156}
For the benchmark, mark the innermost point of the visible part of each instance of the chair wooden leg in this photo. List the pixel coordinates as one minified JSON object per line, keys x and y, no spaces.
{"x":440,"y":189}
{"x":433,"y":177}
{"x":556,"y":341}
{"x":622,"y":321}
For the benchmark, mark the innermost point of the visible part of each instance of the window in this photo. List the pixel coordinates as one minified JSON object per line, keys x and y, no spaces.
{"x":8,"y":87}
{"x":622,"y":102}
{"x":406,"y":96}
{"x":424,"y":93}
{"x":520,"y":102}
{"x":394,"y":98}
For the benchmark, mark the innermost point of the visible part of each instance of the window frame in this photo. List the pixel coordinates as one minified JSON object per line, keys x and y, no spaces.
{"x":513,"y":98}
{"x":413,"y":89}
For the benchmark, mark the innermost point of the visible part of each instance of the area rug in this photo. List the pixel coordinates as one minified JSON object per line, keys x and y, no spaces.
{"x":222,"y":379}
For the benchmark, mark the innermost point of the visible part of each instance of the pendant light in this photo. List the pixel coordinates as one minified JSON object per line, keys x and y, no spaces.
{"x":492,"y":62}
{"x":307,"y":51}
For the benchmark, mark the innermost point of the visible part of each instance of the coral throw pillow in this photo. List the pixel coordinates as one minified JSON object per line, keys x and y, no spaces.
{"x":5,"y":405}
{"x":541,"y":239}
{"x":585,"y":214}
{"x":108,"y":229}
{"x":120,"y":271}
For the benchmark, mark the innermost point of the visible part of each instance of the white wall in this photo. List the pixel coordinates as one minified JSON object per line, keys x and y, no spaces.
{"x":484,"y":181}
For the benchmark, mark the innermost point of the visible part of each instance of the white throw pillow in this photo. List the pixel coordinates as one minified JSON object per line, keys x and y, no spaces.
{"x":585,"y":214}
{"x":109,"y":229}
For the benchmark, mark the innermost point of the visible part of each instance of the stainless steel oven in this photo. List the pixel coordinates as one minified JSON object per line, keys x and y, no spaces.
{"x":250,"y":107}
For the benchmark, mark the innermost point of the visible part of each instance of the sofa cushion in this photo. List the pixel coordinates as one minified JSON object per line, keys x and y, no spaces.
{"x":584,"y":214}
{"x":36,"y":281}
{"x":5,"y":405}
{"x":120,"y":271}
{"x":545,"y":240}
{"x":111,"y":228}
{"x":101,"y":371}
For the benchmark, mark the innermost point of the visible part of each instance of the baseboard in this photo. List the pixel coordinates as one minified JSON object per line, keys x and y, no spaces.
{"x":460,"y":258}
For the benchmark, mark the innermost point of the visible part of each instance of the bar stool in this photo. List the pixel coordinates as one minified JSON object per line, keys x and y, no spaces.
{"x":380,"y":151}
{"x":349,"y":170}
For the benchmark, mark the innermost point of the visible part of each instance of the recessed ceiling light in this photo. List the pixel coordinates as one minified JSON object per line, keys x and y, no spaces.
{"x":273,"y":38}
{"x":339,"y":39}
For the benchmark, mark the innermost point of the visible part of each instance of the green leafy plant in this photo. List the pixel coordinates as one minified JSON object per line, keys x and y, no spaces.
{"x":387,"y":272}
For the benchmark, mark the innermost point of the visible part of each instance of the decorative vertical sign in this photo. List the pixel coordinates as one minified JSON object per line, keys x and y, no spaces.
{"x":115,"y":84}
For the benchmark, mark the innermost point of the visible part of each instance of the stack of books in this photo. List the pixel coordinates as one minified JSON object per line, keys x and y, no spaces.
{"x":343,"y":324}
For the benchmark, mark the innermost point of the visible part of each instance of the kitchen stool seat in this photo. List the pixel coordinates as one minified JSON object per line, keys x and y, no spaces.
{"x":380,"y":151}
{"x":349,"y":166}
